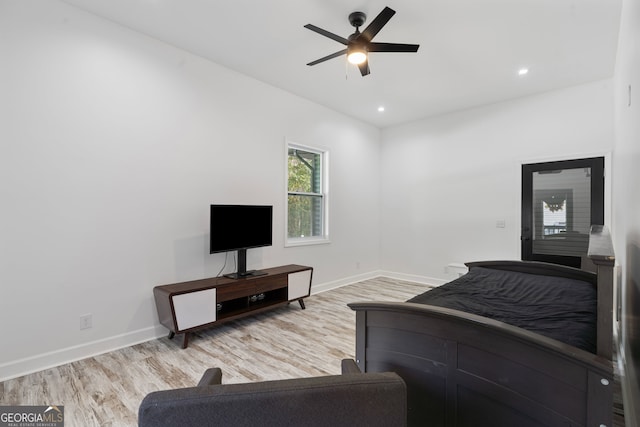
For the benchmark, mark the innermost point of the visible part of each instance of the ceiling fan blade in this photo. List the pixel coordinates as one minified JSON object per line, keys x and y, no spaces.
{"x":364,"y":68}
{"x":392,"y":47}
{"x":376,"y":25}
{"x":326,"y":58}
{"x":327,"y":34}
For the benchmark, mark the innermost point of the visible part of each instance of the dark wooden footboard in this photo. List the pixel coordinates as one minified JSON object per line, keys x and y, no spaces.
{"x":467,"y":370}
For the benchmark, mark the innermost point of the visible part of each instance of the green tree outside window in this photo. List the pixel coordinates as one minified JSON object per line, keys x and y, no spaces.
{"x":305,"y":193}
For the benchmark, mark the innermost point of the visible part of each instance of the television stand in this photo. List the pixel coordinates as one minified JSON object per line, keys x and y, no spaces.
{"x":191,"y":306}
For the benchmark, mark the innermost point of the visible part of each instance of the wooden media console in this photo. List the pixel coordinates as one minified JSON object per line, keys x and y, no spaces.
{"x":190,"y":306}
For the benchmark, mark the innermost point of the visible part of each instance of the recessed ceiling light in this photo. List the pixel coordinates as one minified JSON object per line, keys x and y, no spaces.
{"x":523,"y":71}
{"x":380,"y":109}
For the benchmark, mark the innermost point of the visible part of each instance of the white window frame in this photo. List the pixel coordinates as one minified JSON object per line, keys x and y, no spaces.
{"x":308,"y":240}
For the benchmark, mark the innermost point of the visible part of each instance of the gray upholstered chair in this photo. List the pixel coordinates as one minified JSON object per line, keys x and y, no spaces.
{"x":350,"y":399}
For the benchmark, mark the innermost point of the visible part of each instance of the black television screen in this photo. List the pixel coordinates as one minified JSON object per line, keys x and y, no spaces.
{"x":238,"y":228}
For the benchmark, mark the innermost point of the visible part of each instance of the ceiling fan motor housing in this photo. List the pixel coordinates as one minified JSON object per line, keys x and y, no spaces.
{"x":357,"y":19}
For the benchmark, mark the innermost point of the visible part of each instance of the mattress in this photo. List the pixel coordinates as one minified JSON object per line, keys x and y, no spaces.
{"x":555,"y":307}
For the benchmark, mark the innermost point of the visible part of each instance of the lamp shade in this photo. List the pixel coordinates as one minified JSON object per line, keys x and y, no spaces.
{"x":356,"y":54}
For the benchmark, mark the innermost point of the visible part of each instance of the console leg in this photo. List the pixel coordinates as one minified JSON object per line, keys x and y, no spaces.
{"x":301,"y":303}
{"x":185,"y":340}
{"x":171,"y":335}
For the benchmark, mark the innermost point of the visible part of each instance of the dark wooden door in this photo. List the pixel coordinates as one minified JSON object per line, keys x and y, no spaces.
{"x":560,"y":202}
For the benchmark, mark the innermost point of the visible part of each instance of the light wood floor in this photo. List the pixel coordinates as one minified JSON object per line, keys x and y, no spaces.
{"x":288,"y":342}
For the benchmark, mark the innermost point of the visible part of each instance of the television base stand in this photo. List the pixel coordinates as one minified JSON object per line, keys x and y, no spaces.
{"x":250,"y":273}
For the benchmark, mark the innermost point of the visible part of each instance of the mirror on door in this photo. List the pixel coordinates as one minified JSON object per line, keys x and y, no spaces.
{"x":560,"y":202}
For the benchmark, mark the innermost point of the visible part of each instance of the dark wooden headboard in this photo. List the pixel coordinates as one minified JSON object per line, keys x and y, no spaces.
{"x":602,"y":255}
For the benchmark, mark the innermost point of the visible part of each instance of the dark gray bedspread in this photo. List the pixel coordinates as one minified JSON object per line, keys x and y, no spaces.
{"x":558,"y":308}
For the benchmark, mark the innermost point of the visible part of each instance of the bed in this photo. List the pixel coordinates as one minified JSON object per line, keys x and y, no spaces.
{"x":469,"y":364}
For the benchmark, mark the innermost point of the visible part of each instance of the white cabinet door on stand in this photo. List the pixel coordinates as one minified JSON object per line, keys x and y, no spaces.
{"x":195,"y":308}
{"x":299,"y":286}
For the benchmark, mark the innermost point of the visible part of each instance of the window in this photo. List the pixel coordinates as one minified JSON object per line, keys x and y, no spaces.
{"x":554,"y":216}
{"x":306,"y":195}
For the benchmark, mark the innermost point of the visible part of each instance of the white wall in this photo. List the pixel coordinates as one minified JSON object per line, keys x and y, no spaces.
{"x":627,"y":201}
{"x":112,"y":147}
{"x":447,"y":180}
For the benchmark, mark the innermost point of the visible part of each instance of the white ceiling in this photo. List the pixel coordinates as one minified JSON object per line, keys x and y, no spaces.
{"x":470,"y":50}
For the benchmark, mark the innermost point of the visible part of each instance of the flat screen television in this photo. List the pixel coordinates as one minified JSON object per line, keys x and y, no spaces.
{"x":238,"y":228}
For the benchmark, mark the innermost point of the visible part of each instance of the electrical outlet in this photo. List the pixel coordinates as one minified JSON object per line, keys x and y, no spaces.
{"x":86,"y":321}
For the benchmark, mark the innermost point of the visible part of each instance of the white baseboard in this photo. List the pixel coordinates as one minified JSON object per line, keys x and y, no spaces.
{"x":316,"y":289}
{"x":52,"y":359}
{"x":55,"y":358}
{"x":414,"y":278}
{"x":323,"y":287}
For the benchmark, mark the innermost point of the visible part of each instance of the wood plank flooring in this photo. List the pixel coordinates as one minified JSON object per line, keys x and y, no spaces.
{"x":288,"y":342}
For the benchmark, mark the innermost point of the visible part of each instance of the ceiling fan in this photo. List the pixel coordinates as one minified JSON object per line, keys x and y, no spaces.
{"x":359,"y":44}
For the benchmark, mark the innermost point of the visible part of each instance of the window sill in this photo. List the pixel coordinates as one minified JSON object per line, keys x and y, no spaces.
{"x":306,"y":242}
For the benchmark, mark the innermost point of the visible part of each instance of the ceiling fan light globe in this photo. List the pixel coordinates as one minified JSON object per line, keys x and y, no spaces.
{"x":357,"y":57}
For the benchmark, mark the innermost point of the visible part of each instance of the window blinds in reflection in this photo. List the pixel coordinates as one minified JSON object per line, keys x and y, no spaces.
{"x":561,"y":211}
